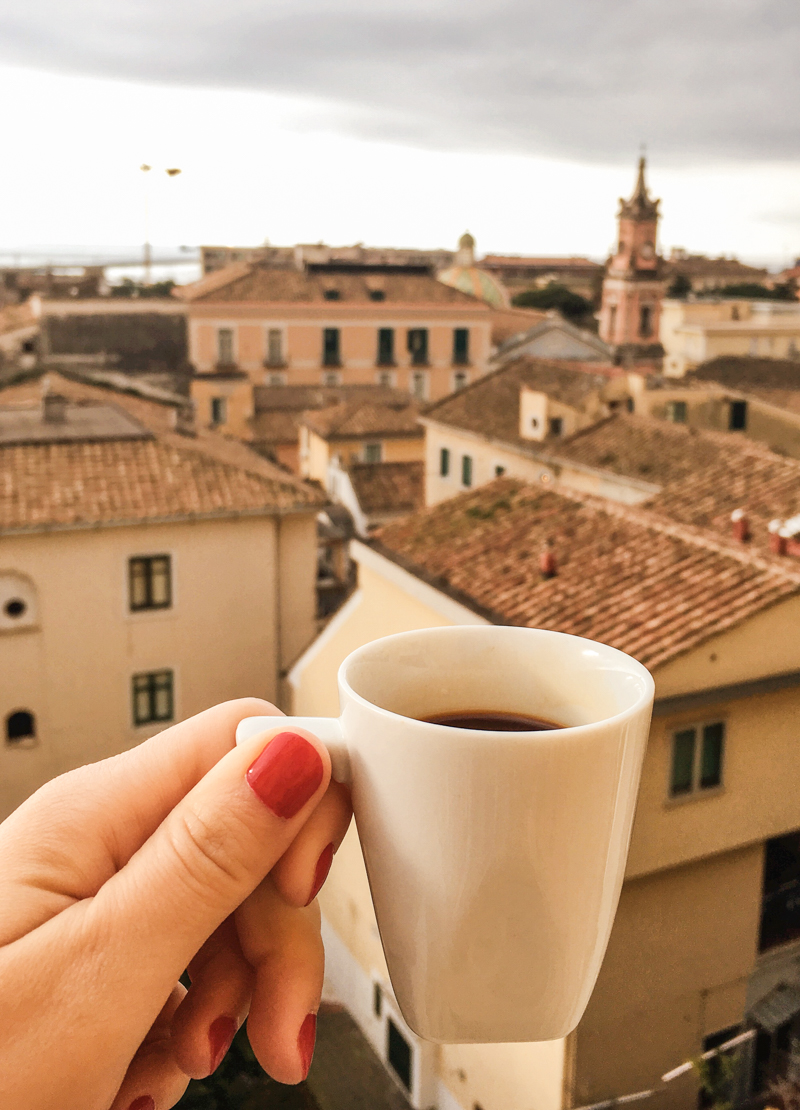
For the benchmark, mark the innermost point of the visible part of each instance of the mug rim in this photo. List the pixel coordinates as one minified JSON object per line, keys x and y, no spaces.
{"x":633,"y":665}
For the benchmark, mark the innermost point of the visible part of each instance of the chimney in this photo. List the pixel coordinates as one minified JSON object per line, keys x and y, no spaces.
{"x":54,"y":408}
{"x":777,"y":542}
{"x":741,"y":525}
{"x":548,"y":567}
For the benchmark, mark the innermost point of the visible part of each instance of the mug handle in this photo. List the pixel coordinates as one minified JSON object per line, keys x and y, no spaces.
{"x":327,"y":729}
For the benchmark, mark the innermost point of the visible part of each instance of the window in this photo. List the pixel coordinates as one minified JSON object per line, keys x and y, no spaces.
{"x":444,"y":462}
{"x":225,"y":346}
{"x":419,"y":384}
{"x":332,"y":295}
{"x":385,"y":378}
{"x":676,"y":412}
{"x":556,"y":426}
{"x":499,"y":471}
{"x":386,"y":346}
{"x":20,"y":726}
{"x":461,"y":346}
{"x":612,"y":321}
{"x":377,"y":295}
{"x":418,"y":346}
{"x":460,"y":379}
{"x":780,"y":898}
{"x":697,"y":755}
{"x":398,"y":1052}
{"x":737,"y":417}
{"x":735,"y":312}
{"x":377,"y":999}
{"x":152,"y":697}
{"x":373,"y":452}
{"x":277,"y":378}
{"x":275,"y":347}
{"x":219,"y":410}
{"x":330,"y":347}
{"x":150,"y":582}
{"x":466,"y":470}
{"x":331,"y":378}
{"x":645,"y":321}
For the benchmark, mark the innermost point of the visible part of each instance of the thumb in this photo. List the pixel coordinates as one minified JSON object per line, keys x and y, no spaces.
{"x":212,"y":850}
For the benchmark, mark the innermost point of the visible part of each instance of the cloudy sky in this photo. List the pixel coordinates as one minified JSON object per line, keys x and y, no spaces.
{"x":401,"y":122}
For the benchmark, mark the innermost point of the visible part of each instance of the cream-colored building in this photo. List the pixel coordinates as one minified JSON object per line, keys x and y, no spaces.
{"x":708,"y":926}
{"x":143,"y":578}
{"x":694,"y":331}
{"x":360,"y":431}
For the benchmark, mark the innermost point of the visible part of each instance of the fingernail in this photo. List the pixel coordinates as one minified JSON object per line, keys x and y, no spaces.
{"x":306,"y":1040}
{"x":286,"y":774}
{"x":220,"y":1034}
{"x":143,"y":1103}
{"x":321,"y":873}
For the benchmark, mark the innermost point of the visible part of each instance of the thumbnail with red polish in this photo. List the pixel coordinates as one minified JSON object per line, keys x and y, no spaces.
{"x":321,"y":872}
{"x":220,"y":1034}
{"x":306,"y":1040}
{"x":286,"y":774}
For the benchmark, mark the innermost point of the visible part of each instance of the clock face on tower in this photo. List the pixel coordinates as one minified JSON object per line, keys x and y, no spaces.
{"x":646,"y":251}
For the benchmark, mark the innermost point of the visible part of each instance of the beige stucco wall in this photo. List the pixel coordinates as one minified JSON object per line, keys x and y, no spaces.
{"x":154,"y":415}
{"x":238,"y":395}
{"x":692,"y":332}
{"x":73,"y":671}
{"x":317,"y":452}
{"x":675,"y":971}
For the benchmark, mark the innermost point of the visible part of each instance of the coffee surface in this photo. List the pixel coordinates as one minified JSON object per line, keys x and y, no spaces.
{"x":493,"y":722}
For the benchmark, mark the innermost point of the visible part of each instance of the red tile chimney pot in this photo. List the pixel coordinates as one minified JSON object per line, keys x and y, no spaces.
{"x":548,"y":568}
{"x":777,"y":542}
{"x":741,"y":525}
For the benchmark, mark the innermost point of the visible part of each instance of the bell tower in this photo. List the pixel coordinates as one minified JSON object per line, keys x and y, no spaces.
{"x":633,"y":288}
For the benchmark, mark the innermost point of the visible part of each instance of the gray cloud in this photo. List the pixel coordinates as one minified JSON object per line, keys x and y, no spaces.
{"x":698,"y":80}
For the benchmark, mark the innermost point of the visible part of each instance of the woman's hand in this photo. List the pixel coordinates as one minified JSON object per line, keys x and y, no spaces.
{"x":184,"y":852}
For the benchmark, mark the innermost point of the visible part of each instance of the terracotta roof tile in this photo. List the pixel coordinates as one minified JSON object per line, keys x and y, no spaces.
{"x":626,"y":578}
{"x":366,"y":418}
{"x":490,"y":406}
{"x":124,"y":481}
{"x":253,"y":282}
{"x":389,"y":487}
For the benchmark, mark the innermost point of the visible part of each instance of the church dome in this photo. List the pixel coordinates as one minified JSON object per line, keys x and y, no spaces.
{"x":468,"y":278}
{"x":478,"y":283}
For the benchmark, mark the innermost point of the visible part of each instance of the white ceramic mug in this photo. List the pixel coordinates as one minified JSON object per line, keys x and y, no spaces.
{"x":495,"y":859}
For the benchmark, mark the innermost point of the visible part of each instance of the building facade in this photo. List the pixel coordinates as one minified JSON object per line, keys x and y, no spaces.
{"x":693,"y":332}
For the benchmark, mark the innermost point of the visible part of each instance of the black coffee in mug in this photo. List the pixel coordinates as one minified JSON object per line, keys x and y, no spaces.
{"x":493,"y":722}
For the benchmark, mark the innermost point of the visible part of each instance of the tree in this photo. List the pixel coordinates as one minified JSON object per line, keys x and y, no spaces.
{"x":680,"y":288}
{"x":130,"y":288}
{"x":555,"y":295}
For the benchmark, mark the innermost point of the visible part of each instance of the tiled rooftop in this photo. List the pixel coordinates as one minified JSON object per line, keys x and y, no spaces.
{"x":388,"y":487}
{"x":625,"y":577}
{"x":773,"y":380}
{"x":298,"y":398}
{"x":81,"y":422}
{"x":366,"y":418}
{"x":252,"y":282}
{"x":490,"y":406}
{"x":68,"y":485}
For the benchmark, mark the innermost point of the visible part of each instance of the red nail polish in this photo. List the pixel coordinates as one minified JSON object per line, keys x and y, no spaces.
{"x":143,"y":1103}
{"x":220,"y":1034}
{"x":306,"y":1040}
{"x":321,"y":873}
{"x":286,"y":774}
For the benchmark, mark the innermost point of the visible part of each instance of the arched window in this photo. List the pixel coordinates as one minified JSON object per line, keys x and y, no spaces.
{"x":20,"y":725}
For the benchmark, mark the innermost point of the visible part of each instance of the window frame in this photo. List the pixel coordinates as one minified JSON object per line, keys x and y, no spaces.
{"x":149,"y":606}
{"x":271,"y":333}
{"x":461,"y":347}
{"x":677,"y":412}
{"x":444,"y":463}
{"x":740,"y":408}
{"x":419,"y":355}
{"x":467,"y":472}
{"x":369,"y":449}
{"x":386,"y":339}
{"x":152,"y":693}
{"x":418,"y":374}
{"x":332,"y":358}
{"x":229,"y":329}
{"x":696,"y":790}
{"x":218,"y":405}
